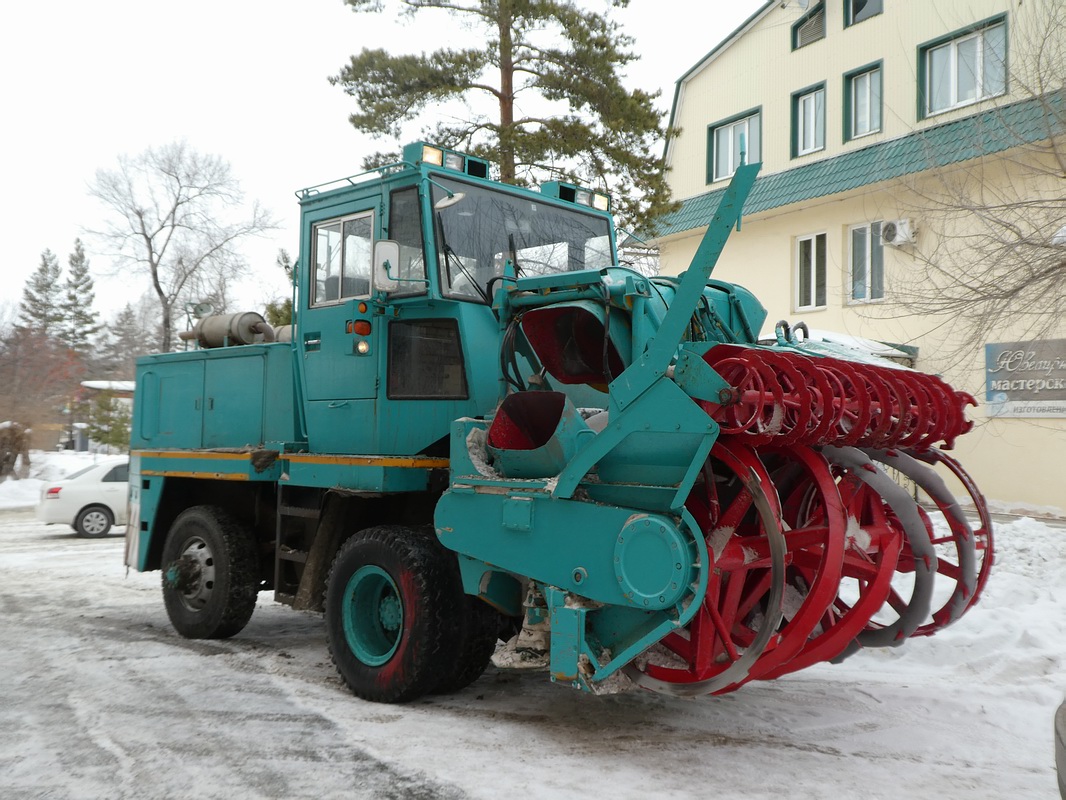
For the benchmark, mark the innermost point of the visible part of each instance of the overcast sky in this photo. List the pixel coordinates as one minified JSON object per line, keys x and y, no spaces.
{"x":83,"y":82}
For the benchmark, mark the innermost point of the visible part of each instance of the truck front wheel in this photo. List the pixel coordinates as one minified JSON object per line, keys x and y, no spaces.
{"x":391,"y":606}
{"x":210,"y":574}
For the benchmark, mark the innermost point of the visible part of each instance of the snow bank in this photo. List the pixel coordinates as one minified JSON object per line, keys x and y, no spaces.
{"x":45,"y":467}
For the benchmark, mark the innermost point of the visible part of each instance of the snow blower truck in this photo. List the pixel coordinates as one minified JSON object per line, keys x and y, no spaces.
{"x":483,"y":440}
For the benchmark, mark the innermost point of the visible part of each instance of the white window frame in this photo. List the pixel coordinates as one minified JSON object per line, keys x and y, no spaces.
{"x":981,"y":91}
{"x":815,"y":239}
{"x":810,"y":122}
{"x":873,"y":106}
{"x":338,"y":262}
{"x":872,"y":246}
{"x":734,"y":128}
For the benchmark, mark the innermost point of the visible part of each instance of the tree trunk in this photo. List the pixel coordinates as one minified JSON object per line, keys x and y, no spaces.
{"x":507,"y":152}
{"x":164,"y":306}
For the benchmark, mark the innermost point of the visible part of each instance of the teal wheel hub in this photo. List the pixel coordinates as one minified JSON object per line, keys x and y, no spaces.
{"x":372,"y":614}
{"x":652,"y":562}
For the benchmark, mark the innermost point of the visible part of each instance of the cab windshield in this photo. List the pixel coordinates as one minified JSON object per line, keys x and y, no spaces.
{"x":480,"y":229}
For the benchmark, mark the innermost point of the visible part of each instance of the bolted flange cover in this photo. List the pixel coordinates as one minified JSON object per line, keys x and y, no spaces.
{"x":652,"y":561}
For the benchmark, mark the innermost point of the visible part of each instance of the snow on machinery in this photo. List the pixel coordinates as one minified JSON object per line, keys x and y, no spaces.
{"x":482,"y":426}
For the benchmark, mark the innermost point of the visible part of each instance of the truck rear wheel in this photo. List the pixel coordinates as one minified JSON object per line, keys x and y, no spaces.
{"x":210,"y":574}
{"x":391,"y":607}
{"x":478,"y":630}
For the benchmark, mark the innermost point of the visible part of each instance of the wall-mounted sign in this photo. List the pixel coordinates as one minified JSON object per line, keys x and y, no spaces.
{"x":1026,"y":379}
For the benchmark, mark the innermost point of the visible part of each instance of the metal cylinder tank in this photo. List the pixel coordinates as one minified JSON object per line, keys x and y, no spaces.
{"x":222,"y":330}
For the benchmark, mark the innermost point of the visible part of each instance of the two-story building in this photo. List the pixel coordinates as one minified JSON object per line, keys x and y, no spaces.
{"x":900,"y":142}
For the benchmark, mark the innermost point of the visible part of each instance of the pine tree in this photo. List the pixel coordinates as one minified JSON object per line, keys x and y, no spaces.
{"x":109,"y":421}
{"x":279,"y":311}
{"x":124,"y":341}
{"x":553,"y":70}
{"x":78,"y":322}
{"x":39,"y":310}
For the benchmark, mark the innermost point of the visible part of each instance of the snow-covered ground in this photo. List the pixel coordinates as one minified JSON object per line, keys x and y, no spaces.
{"x":101,"y":699}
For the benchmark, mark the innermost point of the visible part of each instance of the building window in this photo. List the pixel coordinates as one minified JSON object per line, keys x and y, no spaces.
{"x":809,"y":28}
{"x":808,"y":120}
{"x":858,"y":10}
{"x":867,"y":263}
{"x":728,"y":140}
{"x":862,"y":102}
{"x":964,"y":69}
{"x":810,"y":272}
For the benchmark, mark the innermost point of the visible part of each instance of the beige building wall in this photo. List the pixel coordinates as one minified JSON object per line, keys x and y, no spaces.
{"x":760,"y":70}
{"x":1016,"y":462}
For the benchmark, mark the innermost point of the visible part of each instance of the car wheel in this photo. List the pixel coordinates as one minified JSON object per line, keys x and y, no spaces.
{"x":391,"y":613}
{"x":93,"y":522}
{"x":210,"y":574}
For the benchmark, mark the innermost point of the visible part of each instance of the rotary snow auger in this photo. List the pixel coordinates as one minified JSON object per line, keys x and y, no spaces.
{"x":730,"y":514}
{"x":479,"y":427}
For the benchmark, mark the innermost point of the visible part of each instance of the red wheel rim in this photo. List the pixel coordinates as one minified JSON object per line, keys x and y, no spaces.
{"x":813,"y":514}
{"x":720,"y":643}
{"x":872,"y":546}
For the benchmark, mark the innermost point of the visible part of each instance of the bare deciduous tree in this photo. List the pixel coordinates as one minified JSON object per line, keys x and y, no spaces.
{"x":992,"y":255}
{"x":173,"y":213}
{"x":36,"y":374}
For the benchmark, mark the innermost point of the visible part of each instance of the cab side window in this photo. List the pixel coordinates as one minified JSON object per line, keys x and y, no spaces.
{"x":342,"y":258}
{"x":405,"y":228}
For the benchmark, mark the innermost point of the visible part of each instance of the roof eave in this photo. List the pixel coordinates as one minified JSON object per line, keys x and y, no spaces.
{"x":707,"y":59}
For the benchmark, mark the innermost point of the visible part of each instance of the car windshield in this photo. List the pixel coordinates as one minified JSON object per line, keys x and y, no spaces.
{"x":480,"y":229}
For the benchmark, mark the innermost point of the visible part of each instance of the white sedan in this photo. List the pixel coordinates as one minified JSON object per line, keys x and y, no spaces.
{"x":90,"y":501}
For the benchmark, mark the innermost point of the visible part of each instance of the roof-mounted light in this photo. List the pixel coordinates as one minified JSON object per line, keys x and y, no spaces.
{"x":423,"y":153}
{"x":577,"y":195}
{"x":432,"y":155}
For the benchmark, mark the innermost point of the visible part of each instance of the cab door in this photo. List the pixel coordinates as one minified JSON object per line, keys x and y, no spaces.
{"x":334,"y":367}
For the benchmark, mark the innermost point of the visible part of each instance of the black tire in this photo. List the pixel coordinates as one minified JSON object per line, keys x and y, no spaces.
{"x":478,"y":631}
{"x":391,"y":611}
{"x":1060,"y":748}
{"x":93,"y":522}
{"x":210,"y":574}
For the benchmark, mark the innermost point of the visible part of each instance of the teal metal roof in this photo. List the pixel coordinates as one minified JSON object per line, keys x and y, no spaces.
{"x":983,"y":134}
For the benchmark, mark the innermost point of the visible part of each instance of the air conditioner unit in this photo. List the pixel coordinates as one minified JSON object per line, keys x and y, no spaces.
{"x":898,"y":232}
